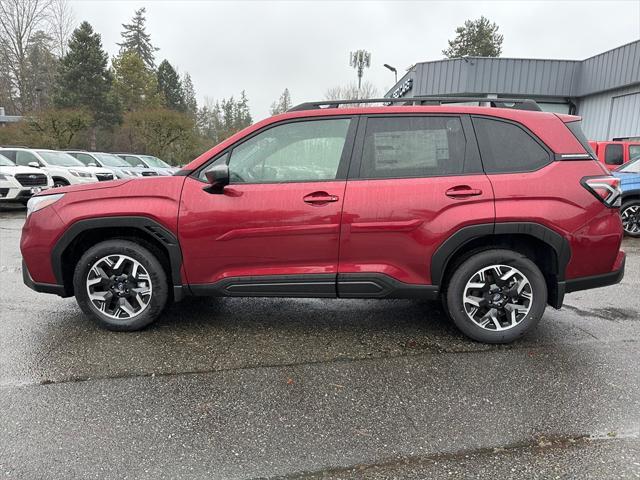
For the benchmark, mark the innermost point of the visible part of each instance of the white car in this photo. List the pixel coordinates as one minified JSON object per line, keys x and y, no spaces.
{"x":18,"y":184}
{"x":62,"y":167}
{"x":149,"y":161}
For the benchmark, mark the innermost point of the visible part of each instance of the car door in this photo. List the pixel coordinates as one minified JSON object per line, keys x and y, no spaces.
{"x":274,"y":230}
{"x":415,"y":180}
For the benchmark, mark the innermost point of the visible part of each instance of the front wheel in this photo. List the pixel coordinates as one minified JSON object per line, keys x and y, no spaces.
{"x":496,"y":296}
{"x":630,"y":214}
{"x":121,"y":285}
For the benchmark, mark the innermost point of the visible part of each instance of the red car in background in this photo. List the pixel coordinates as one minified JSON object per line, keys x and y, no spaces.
{"x":613,"y":154}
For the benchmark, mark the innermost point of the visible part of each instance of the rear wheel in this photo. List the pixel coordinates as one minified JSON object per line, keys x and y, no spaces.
{"x":121,"y":285}
{"x":630,"y":214}
{"x":496,"y":296}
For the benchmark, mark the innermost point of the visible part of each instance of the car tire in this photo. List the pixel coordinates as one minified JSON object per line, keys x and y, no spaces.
{"x":60,"y":182}
{"x":129,"y":279}
{"x":630,"y":215}
{"x":496,"y":296}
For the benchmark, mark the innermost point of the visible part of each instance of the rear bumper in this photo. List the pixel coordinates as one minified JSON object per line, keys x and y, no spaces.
{"x":41,"y":287}
{"x":587,"y":283}
{"x":596,"y":281}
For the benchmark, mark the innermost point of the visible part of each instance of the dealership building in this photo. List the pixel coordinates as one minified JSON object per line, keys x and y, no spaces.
{"x":603,"y":89}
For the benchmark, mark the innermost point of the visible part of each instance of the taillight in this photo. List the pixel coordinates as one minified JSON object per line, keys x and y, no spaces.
{"x":606,"y":189}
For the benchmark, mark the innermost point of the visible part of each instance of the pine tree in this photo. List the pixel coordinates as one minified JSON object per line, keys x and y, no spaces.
{"x":283,"y":104}
{"x":477,"y":38}
{"x":84,"y":80}
{"x":189,"y":95}
{"x":135,"y":39}
{"x":135,"y":86}
{"x":170,"y":86}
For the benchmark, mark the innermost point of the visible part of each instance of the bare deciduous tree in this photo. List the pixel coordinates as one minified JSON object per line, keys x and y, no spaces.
{"x":19,"y":20}
{"x":351,"y":92}
{"x":61,"y":22}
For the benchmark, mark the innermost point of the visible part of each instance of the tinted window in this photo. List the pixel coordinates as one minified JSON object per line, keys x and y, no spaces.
{"x":293,"y":152}
{"x":24,"y":158}
{"x":10,"y":154}
{"x":413,"y":147}
{"x":576,"y":129}
{"x":613,"y":154}
{"x":84,"y":158}
{"x":507,"y":148}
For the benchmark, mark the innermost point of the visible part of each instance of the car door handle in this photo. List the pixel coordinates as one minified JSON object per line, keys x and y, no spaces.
{"x":320,"y":198}
{"x":463,"y":191}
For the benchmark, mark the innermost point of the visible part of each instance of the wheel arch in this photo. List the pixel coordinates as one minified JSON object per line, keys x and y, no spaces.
{"x":547,"y":248}
{"x":85,"y":233}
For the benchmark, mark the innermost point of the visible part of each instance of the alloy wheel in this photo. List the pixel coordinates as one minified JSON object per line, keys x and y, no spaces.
{"x":631,"y":219}
{"x":497,"y":297}
{"x":119,"y":286}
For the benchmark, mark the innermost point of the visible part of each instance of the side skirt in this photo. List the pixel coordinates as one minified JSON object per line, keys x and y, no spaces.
{"x":344,"y":285}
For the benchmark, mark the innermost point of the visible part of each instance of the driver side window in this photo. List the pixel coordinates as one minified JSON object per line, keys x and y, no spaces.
{"x":293,"y":152}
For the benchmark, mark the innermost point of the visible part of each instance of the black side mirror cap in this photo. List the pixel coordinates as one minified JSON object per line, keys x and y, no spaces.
{"x":218,"y":178}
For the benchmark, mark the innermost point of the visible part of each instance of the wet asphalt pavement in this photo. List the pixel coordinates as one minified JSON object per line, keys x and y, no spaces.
{"x":254,"y":388}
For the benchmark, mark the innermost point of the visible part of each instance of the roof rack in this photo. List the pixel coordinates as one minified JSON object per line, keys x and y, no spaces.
{"x":513,"y":103}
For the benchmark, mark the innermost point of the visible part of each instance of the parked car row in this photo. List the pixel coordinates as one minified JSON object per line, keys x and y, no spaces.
{"x":27,"y":171}
{"x":629,"y":175}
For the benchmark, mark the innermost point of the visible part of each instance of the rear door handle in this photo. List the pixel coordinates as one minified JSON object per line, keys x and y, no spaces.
{"x":463,"y":191}
{"x":320,"y":198}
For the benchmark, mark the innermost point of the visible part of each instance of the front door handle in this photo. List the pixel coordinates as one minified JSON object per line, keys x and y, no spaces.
{"x":463,"y":191}
{"x":320,"y":198}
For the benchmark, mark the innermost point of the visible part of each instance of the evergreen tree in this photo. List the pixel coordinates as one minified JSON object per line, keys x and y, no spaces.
{"x":41,"y":70}
{"x":189,"y":95}
{"x":136,"y":39}
{"x":283,"y":104}
{"x":135,"y":86}
{"x":170,"y":86}
{"x":477,"y":38}
{"x":84,"y":80}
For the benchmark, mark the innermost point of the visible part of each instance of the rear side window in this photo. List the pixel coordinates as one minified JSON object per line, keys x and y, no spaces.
{"x":576,"y":129}
{"x":508,"y":148}
{"x":402,"y":147}
{"x":613,"y":154}
{"x":634,"y":152}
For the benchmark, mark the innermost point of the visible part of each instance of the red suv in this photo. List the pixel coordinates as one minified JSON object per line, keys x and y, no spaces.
{"x":498,"y":211}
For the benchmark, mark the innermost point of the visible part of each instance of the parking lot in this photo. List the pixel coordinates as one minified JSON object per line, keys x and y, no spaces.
{"x":254,"y":388}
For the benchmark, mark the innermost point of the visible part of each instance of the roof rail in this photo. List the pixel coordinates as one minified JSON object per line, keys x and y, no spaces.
{"x":514,"y":103}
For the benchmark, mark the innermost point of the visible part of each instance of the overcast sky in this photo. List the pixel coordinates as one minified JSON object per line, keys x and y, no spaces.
{"x":263,"y":47}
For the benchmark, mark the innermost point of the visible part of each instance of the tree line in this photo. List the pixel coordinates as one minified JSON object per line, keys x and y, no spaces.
{"x":72,"y":95}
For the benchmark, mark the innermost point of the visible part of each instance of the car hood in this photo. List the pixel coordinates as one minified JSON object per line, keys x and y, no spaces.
{"x":20,"y":169}
{"x":627,"y":177}
{"x":95,"y":170}
{"x":87,"y":186}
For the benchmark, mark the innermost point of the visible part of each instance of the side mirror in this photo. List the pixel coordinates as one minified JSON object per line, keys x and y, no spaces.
{"x":34,"y":164}
{"x":218,"y":178}
{"x":92,"y":164}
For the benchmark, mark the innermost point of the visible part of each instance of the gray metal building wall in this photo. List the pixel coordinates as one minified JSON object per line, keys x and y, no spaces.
{"x":612,"y":114}
{"x":604,"y":87}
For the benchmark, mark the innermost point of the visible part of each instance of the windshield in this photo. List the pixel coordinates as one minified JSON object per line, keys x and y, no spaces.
{"x":154,"y":161}
{"x":5,"y":162}
{"x":111,"y":160}
{"x":59,"y":158}
{"x":631,"y":167}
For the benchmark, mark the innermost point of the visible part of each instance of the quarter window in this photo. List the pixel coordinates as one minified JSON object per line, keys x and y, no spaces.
{"x":634,"y":152}
{"x":613,"y":154}
{"x":292,"y":152}
{"x":402,"y":147}
{"x":508,"y":148}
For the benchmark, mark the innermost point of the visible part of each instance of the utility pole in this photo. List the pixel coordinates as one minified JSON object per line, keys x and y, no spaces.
{"x":360,"y":59}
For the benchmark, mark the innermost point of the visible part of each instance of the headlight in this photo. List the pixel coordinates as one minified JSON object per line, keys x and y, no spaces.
{"x":38,"y":203}
{"x":5,"y":176}
{"x":81,"y":174}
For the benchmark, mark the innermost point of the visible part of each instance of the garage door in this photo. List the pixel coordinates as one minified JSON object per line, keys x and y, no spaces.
{"x":625,"y":116}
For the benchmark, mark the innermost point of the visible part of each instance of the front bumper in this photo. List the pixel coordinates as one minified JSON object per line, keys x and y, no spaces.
{"x":41,"y":287}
